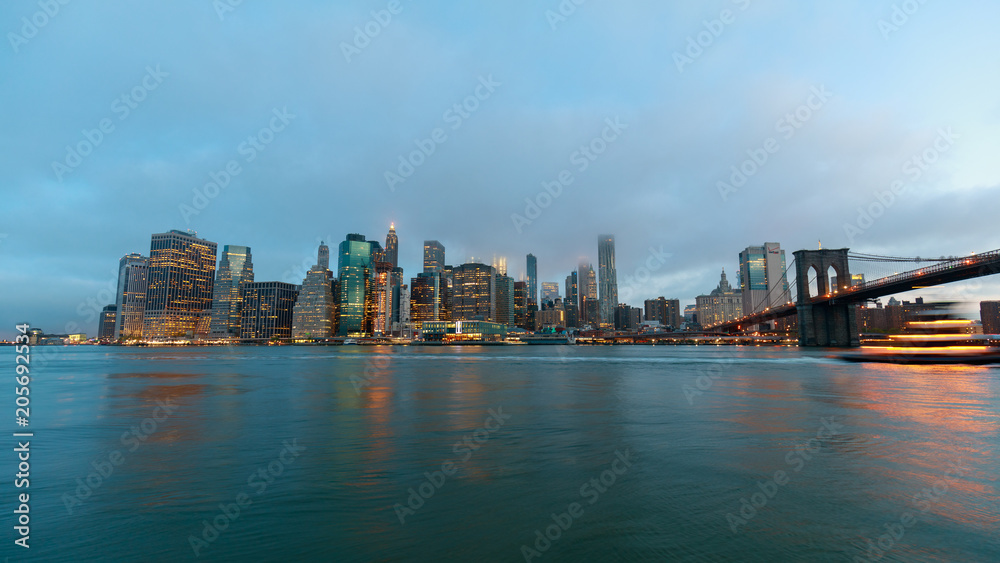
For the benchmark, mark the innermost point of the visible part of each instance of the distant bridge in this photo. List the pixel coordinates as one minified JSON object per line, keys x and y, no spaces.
{"x":826,"y":315}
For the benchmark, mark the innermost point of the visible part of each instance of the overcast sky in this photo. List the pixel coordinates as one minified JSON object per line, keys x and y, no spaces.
{"x":839,"y":97}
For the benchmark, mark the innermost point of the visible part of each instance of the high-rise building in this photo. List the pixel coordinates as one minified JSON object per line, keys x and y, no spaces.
{"x":235,"y":269}
{"x":106,"y":328}
{"x":383,"y":293}
{"x":424,"y":298}
{"x":721,"y":305}
{"x":505,"y":309}
{"x":607,"y":278}
{"x":572,"y":289}
{"x":763,"y":281}
{"x":550,"y":292}
{"x":521,"y":304}
{"x":313,"y":314}
{"x":130,"y":300}
{"x":500,"y":264}
{"x":665,"y":311}
{"x":532,"y":281}
{"x":392,"y":246}
{"x":627,"y":318}
{"x":989,"y":313}
{"x":433,"y":256}
{"x":355,"y":271}
{"x":268,"y":310}
{"x":181,"y":283}
{"x":552,"y":316}
{"x":475,"y":294}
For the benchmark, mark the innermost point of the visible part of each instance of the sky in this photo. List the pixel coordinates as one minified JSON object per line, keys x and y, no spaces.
{"x":687,"y":130}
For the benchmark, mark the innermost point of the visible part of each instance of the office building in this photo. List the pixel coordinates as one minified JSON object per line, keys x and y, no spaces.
{"x":268,"y":310}
{"x":550,"y":292}
{"x":392,"y":246}
{"x":763,"y":281}
{"x":607,"y":279}
{"x":627,"y":319}
{"x":130,"y":299}
{"x":475,"y":295}
{"x":106,"y":326}
{"x":989,"y":313}
{"x":532,"y":264}
{"x":313,"y":316}
{"x":721,"y":305}
{"x":552,"y":316}
{"x":665,"y":311}
{"x":355,"y":270}
{"x":504,"y":287}
{"x":181,"y":284}
{"x":235,"y":269}
{"x":433,"y":256}
{"x":521,"y":304}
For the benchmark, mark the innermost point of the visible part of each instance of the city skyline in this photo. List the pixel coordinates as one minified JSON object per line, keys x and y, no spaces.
{"x":328,"y":136}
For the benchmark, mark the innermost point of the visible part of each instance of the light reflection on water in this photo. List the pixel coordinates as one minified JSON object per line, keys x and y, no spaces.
{"x":696,"y":455}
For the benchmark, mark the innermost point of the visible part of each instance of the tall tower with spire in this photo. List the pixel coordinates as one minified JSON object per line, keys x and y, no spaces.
{"x":323,"y":261}
{"x":392,"y":246}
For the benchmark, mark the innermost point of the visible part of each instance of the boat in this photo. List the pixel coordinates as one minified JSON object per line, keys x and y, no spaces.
{"x":349,"y":341}
{"x":935,"y":338}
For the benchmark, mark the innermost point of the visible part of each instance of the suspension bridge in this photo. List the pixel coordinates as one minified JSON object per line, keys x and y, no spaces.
{"x":824,"y":292}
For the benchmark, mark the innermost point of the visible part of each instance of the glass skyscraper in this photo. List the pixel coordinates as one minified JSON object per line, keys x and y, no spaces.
{"x":235,"y":269}
{"x":607,"y":279}
{"x":433,"y":256}
{"x":181,"y":283}
{"x":762,"y":277}
{"x":532,"y":281}
{"x":356,"y":271}
{"x":392,"y":246}
{"x":475,"y":292}
{"x":268,"y":309}
{"x":130,"y":300}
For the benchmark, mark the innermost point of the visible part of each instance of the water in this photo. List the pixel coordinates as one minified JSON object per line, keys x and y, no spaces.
{"x":365,"y":424}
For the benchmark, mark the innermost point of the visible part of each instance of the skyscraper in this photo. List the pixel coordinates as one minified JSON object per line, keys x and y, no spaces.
{"x":521,"y":304}
{"x":763,"y":281}
{"x":665,"y":311}
{"x":607,"y":278}
{"x":354,"y":268}
{"x":504,"y":287}
{"x":235,"y":269}
{"x":392,"y":246}
{"x":475,"y":293}
{"x":532,"y":281}
{"x":550,"y":292}
{"x":106,"y":328}
{"x":313,"y":314}
{"x":433,"y":256}
{"x":589,"y":311}
{"x":571,"y":303}
{"x":130,"y":300}
{"x":268,"y":309}
{"x":181,"y":283}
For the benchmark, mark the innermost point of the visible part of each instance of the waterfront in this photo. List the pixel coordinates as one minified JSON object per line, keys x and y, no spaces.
{"x":680,"y":435}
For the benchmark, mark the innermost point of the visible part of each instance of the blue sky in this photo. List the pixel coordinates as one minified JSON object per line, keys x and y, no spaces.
{"x":221,"y":78}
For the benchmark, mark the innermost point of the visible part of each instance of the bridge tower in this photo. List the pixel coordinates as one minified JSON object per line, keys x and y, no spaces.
{"x":833,"y":322}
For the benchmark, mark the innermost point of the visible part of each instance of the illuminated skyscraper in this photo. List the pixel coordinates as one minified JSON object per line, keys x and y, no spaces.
{"x":433,"y":256}
{"x":607,"y":278}
{"x":550,"y":292}
{"x":589,"y":312}
{"x":763,"y":281}
{"x":268,"y":309}
{"x":392,"y":246}
{"x":130,"y":301}
{"x":181,"y":282}
{"x":532,"y":280}
{"x":235,"y":269}
{"x":106,"y":328}
{"x":313,"y":314}
{"x":504,"y":287}
{"x":354,"y":269}
{"x":521,"y":304}
{"x":475,"y":294}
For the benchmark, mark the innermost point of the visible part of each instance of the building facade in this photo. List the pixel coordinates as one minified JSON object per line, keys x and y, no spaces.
{"x":433,"y":256}
{"x":475,"y":293}
{"x":550,"y":292}
{"x":607,"y":279}
{"x":763,"y":281}
{"x":313,"y":316}
{"x":181,"y":286}
{"x":666,"y":311}
{"x":268,"y":310}
{"x":721,"y":305}
{"x":106,"y":327}
{"x":532,"y":265}
{"x":989,"y":313}
{"x":355,"y":268}
{"x":130,"y":300}
{"x":521,"y":304}
{"x":392,"y":246}
{"x":235,"y":269}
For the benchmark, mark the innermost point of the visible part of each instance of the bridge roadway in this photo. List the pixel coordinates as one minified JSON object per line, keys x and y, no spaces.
{"x":960,"y":269}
